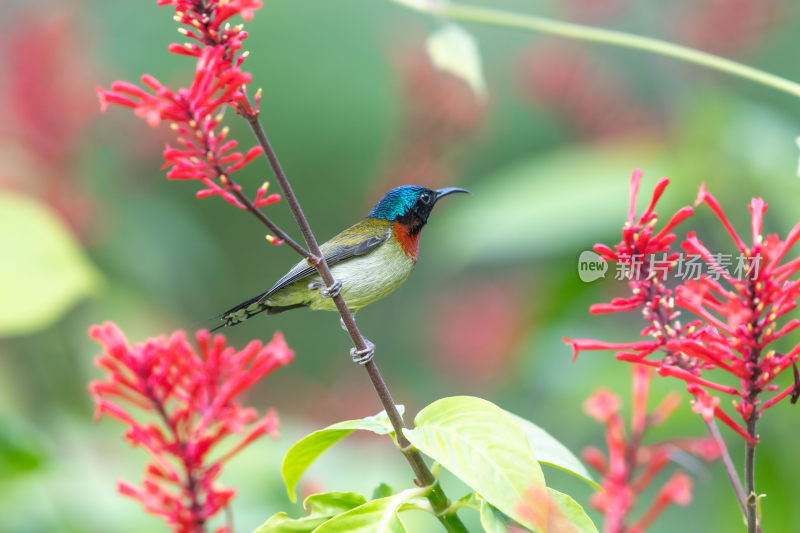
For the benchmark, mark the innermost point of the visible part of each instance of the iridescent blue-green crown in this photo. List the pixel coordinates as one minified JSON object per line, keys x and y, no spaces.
{"x":397,"y":202}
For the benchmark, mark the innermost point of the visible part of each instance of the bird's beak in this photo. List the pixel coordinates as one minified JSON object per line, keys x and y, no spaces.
{"x":440,"y":193}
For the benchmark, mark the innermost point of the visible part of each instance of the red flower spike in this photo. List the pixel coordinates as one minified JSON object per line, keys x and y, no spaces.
{"x":195,"y":112}
{"x":205,"y":20}
{"x":191,"y":398}
{"x":631,"y":465}
{"x":738,"y":310}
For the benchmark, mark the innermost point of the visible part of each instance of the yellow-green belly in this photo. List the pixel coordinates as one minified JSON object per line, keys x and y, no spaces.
{"x":365,"y":279}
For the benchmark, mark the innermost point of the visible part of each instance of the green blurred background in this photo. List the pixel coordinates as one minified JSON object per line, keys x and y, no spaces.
{"x":92,"y":231}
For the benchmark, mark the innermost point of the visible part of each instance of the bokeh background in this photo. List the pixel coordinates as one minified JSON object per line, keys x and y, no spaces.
{"x":92,"y":231}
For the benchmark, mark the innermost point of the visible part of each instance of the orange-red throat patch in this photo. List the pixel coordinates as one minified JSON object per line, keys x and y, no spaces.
{"x":408,"y":242}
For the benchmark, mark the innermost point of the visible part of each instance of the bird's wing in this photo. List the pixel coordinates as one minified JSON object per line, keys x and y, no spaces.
{"x":359,"y":239}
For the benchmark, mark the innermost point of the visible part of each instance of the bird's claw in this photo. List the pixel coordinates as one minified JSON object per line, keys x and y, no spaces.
{"x":327,"y":292}
{"x":362,"y":357}
{"x":333,"y":290}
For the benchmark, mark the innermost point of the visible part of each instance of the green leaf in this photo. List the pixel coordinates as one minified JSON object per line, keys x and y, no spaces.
{"x":43,"y":271}
{"x":484,"y":447}
{"x":567,"y":516}
{"x":454,"y":50}
{"x":305,"y":451}
{"x":281,"y":523}
{"x":382,"y":491}
{"x":20,"y":449}
{"x":564,"y":516}
{"x":550,"y":451}
{"x":333,"y":503}
{"x":320,"y":507}
{"x":377,"y":516}
{"x":469,"y":501}
{"x":492,"y":520}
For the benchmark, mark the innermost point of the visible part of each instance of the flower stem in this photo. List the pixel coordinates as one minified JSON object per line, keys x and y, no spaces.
{"x":727,"y":463}
{"x":191,"y":483}
{"x":749,"y":475}
{"x":581,"y":32}
{"x":436,"y":495}
{"x":282,"y":235}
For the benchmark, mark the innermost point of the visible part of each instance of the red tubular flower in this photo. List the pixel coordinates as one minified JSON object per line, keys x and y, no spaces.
{"x":630,"y":466}
{"x":739,"y":312}
{"x":205,"y":153}
{"x":644,"y":275}
{"x":191,"y":397}
{"x":743,"y":312}
{"x":677,"y":490}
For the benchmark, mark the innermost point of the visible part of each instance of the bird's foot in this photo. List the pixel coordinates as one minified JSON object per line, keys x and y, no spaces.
{"x":327,"y":292}
{"x":362,"y":357}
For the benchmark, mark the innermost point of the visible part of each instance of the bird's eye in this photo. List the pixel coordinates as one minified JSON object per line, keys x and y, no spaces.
{"x":425,"y":197}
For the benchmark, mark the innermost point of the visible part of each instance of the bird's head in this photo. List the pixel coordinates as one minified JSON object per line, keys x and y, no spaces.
{"x":410,"y":204}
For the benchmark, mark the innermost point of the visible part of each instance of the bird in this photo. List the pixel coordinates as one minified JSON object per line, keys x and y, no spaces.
{"x":368,"y":260}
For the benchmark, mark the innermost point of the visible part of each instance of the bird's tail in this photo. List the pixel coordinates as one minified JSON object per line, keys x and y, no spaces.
{"x":243,"y":311}
{"x":253,"y":306}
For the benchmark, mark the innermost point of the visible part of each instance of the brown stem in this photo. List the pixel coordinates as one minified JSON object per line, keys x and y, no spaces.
{"x":436,"y":496}
{"x":727,"y":463}
{"x":191,"y":482}
{"x":749,"y":476}
{"x":268,"y":222}
{"x":753,"y":390}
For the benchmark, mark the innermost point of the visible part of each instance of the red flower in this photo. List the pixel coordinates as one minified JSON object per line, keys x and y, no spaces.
{"x":631,"y":466}
{"x":635,"y":254}
{"x":743,"y":312}
{"x":191,"y":399}
{"x":205,"y":152}
{"x":205,"y":22}
{"x":739,"y":312}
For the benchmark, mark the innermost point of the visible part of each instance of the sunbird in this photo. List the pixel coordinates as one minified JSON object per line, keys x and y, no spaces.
{"x":368,"y":260}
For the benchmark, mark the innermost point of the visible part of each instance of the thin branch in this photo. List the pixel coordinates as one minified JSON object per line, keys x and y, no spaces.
{"x":750,"y":477}
{"x":436,"y":496}
{"x":245,"y":201}
{"x":727,"y":463}
{"x":508,"y":19}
